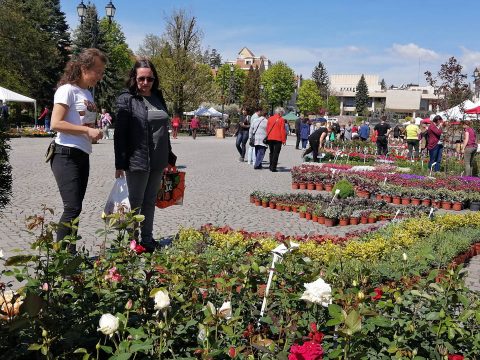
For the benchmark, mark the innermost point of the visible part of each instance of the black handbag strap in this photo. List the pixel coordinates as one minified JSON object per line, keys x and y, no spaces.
{"x":257,"y":127}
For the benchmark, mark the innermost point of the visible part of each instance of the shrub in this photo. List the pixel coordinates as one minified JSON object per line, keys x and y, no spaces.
{"x":345,"y":187}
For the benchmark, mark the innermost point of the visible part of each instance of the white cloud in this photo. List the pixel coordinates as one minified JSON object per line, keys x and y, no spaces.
{"x":469,"y":59}
{"x":413,"y":51}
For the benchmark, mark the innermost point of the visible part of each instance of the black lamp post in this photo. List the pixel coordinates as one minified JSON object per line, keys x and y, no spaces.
{"x":109,"y":11}
{"x":223,"y":90}
{"x":476,"y":76}
{"x":261,"y":94}
{"x":273,"y":88}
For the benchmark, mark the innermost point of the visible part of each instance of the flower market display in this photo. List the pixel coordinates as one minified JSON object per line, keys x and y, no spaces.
{"x":387,"y":183}
{"x":214,"y":293}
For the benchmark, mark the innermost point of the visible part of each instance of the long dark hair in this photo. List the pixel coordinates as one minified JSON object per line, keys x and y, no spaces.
{"x":73,"y":69}
{"x":132,"y":85}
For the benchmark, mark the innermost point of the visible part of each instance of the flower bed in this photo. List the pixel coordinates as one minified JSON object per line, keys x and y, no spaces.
{"x":201,"y":298}
{"x":449,"y":189}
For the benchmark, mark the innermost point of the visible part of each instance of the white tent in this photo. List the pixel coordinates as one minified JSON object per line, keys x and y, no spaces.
{"x":216,"y":113}
{"x":11,"y":96}
{"x":455,"y":112}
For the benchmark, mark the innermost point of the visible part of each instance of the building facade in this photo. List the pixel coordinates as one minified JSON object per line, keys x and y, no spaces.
{"x":247,"y":58}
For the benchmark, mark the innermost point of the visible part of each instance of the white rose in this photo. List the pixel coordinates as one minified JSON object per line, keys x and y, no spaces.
{"x":162,"y":300}
{"x":108,"y":324}
{"x":318,"y":292}
{"x":225,"y":310}
{"x":405,"y":257}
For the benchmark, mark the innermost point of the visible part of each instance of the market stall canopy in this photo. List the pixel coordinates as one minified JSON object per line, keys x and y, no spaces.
{"x":11,"y":96}
{"x":455,"y":112}
{"x":216,"y":113}
{"x":290,"y":116}
{"x":475,"y":110}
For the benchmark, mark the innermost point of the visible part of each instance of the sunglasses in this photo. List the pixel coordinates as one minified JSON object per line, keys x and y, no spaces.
{"x":145,"y":78}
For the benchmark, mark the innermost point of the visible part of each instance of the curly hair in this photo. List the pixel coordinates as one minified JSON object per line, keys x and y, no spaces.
{"x":73,"y":70}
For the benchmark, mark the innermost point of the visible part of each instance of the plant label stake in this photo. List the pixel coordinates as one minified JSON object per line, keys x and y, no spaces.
{"x":278,"y":253}
{"x":385,"y":180}
{"x":395,"y":217}
{"x":431,"y":168}
{"x":430,"y":215}
{"x":335,"y":195}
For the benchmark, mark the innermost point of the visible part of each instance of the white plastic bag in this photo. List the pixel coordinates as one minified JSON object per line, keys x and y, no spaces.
{"x":118,"y":198}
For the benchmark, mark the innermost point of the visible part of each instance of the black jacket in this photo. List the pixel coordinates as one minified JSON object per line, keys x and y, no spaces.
{"x":133,"y":137}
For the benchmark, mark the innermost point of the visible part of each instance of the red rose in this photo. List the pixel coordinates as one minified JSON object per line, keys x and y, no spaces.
{"x":378,"y":293}
{"x":308,"y":351}
{"x":455,"y":357}
{"x":232,"y":352}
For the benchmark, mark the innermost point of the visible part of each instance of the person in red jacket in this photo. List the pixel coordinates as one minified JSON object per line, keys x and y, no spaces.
{"x":276,"y":136}
{"x":434,"y":143}
{"x":175,"y":125}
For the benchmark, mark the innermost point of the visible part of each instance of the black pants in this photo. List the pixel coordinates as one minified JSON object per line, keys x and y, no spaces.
{"x":241,"y":143}
{"x":71,"y":169}
{"x":413,"y":145}
{"x":313,"y":148}
{"x":297,"y":133}
{"x":275,"y":148}
{"x":382,"y":145}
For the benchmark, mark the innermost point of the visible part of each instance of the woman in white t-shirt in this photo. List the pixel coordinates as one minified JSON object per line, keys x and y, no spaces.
{"x":73,"y":118}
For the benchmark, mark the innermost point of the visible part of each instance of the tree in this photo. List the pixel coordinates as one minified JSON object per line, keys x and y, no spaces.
{"x":383,"y":84}
{"x":320,"y":77}
{"x":178,"y":59}
{"x":278,"y":83}
{"x":361,"y":96}
{"x":230,"y":83}
{"x":34,"y":34}
{"x":151,"y":46}
{"x":212,"y":58}
{"x":251,"y":91}
{"x":449,"y":84}
{"x":309,"y":99}
{"x":333,"y":105}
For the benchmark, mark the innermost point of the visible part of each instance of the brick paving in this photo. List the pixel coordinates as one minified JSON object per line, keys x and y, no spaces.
{"x":217,"y":192}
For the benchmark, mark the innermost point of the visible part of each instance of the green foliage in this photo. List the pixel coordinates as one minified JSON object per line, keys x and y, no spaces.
{"x":151,"y":46}
{"x":345,"y":187}
{"x":361,"y":96}
{"x":333,"y":105}
{"x":231,"y":83}
{"x":278,"y":84}
{"x":321,"y":79}
{"x":309,"y":99}
{"x":34,"y":33}
{"x":251,"y":92}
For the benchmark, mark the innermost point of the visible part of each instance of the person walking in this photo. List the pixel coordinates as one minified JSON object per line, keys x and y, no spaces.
{"x":73,"y":118}
{"x":142,"y":143}
{"x":175,"y":125}
{"x":469,"y":147}
{"x":413,"y":139}
{"x":276,"y":136}
{"x":364,"y":131}
{"x":242,"y":134}
{"x":46,"y":115}
{"x":304,"y":133}
{"x":434,"y":143}
{"x":298,"y":124}
{"x":383,"y":130}
{"x":194,"y":125}
{"x":251,"y":153}
{"x":258,"y":130}
{"x":105,"y":122}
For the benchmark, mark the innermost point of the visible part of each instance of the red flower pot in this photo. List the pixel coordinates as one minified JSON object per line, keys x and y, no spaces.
{"x":372,"y":219}
{"x":314,"y":218}
{"x":378,"y":196}
{"x":426,"y":202}
{"x":364,"y":220}
{"x":446,"y":205}
{"x":321,"y":220}
{"x":310,"y":186}
{"x":287,"y":208}
{"x":354,"y":221}
{"x":252,"y":200}
{"x":319,"y":186}
{"x":457,"y":206}
{"x":330,"y":222}
{"x":302,"y":215}
{"x":294,"y":209}
{"x":436,"y":204}
{"x":396,"y":200}
{"x":405,"y":201}
{"x":264,"y":204}
{"x":328,"y":187}
{"x":272,"y":205}
{"x":387,"y":198}
{"x":258,"y":202}
{"x":279,"y":207}
{"x":416,"y":201}
{"x":308,"y":216}
{"x":302,"y":186}
{"x":294,"y":186}
{"x":344,"y":222}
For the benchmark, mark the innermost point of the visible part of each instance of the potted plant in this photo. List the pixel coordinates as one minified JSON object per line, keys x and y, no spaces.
{"x":372,"y":217}
{"x":364,"y":216}
{"x":302,"y":210}
{"x":415,"y":197}
{"x":331,"y":214}
{"x":320,"y":211}
{"x":344,"y":217}
{"x":345,"y":187}
{"x":265,"y":199}
{"x":355,"y":217}
{"x":426,"y":196}
{"x":446,"y":197}
{"x":287,"y":207}
{"x":474,"y":198}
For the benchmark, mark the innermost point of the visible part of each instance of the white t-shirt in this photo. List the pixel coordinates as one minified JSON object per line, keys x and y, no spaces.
{"x":81,"y":111}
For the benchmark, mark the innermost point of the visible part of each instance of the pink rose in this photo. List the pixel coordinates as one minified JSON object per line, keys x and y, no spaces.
{"x":308,"y":351}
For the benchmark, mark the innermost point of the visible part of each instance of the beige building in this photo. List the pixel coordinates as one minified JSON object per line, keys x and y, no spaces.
{"x":406,"y":101}
{"x":247,"y":58}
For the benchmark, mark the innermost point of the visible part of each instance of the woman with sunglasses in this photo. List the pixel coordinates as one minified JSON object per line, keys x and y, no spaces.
{"x":142,"y":143}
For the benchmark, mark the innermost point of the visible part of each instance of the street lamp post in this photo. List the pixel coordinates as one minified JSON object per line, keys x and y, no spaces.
{"x":476,"y":76}
{"x":223,"y":94}
{"x":109,"y":11}
{"x":261,"y":94}
{"x":273,"y":88}
{"x":231,"y":96}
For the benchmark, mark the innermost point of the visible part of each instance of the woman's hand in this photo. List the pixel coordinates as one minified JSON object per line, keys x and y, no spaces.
{"x":119,"y":173}
{"x":94,"y":134}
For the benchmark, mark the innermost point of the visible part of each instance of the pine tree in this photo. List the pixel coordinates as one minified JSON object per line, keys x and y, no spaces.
{"x":383,"y":84}
{"x":361,"y":96}
{"x":320,"y":76}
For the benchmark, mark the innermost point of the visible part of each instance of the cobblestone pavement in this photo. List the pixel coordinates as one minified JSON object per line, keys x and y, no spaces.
{"x":217,"y":192}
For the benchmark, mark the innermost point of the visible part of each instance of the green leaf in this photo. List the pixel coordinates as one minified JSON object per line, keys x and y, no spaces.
{"x":35,"y":347}
{"x":436,"y":287}
{"x":228,"y":330}
{"x":124,"y":356}
{"x":432,"y":316}
{"x":380,"y":321}
{"x":20,"y":260}
{"x":140,"y":347}
{"x":80,"y":351}
{"x":32,"y":305}
{"x":72,"y":266}
{"x":353,"y":321}
{"x":333,"y":322}
{"x":107,"y":349}
{"x":335,"y":311}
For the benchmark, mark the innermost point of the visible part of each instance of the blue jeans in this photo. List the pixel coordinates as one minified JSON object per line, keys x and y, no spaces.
{"x":47,"y":125}
{"x":241,"y":143}
{"x":435,"y":156}
{"x":304,"y":143}
{"x":259,"y":155}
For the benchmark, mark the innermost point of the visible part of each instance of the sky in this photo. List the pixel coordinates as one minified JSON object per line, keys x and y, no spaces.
{"x":396,"y":40}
